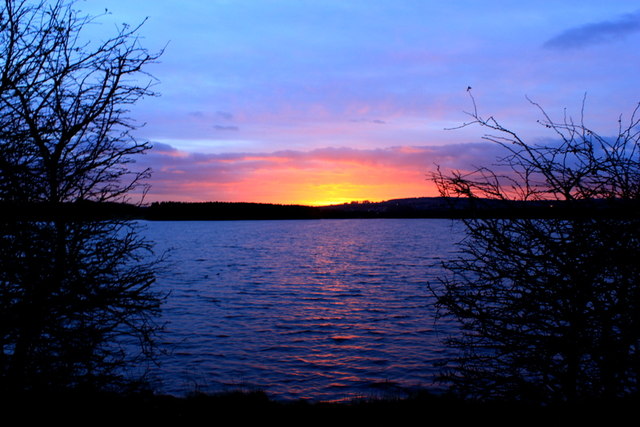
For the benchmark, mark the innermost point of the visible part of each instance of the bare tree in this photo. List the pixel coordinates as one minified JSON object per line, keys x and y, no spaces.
{"x":549,"y":309}
{"x":581,"y":164}
{"x":65,"y":133}
{"x":76,"y":303}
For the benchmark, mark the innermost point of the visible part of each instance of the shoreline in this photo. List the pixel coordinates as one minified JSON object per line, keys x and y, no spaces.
{"x":420,"y":207}
{"x":424,"y":406}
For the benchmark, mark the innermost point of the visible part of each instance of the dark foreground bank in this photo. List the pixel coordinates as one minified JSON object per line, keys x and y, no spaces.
{"x":419,"y":207}
{"x":252,"y":408}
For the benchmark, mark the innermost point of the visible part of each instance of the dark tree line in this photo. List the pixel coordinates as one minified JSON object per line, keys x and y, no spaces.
{"x":549,"y":309}
{"x":76,"y":304}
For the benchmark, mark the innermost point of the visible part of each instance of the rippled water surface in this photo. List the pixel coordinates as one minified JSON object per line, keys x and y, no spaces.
{"x":317,"y":309}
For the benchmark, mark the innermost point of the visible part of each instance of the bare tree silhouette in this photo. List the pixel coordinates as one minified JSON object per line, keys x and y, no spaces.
{"x":76,"y":304}
{"x":63,"y":105}
{"x":549,"y":309}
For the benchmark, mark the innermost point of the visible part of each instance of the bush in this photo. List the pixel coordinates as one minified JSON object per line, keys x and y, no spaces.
{"x":549,"y":309}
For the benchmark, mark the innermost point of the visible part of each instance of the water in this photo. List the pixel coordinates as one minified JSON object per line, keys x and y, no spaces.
{"x":315,"y":309}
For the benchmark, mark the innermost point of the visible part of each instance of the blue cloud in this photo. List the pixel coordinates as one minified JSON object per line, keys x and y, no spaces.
{"x":226,"y":128}
{"x":224,"y":115}
{"x":596,"y":33}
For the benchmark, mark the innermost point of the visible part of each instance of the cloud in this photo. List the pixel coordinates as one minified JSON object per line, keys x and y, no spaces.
{"x":162,"y":148}
{"x":596,"y":33}
{"x":224,"y":115}
{"x":226,"y":128}
{"x":376,"y":121}
{"x":330,"y":174}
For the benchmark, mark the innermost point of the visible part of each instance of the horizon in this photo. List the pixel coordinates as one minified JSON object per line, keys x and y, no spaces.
{"x":295,"y":204}
{"x":316,"y":103}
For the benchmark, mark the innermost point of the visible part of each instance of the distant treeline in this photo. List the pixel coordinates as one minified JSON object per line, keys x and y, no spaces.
{"x":422,"y":207}
{"x":226,"y":211}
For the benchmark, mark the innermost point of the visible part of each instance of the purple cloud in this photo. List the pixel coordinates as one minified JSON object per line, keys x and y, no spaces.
{"x":234,"y":176}
{"x":226,"y":128}
{"x":596,"y":33}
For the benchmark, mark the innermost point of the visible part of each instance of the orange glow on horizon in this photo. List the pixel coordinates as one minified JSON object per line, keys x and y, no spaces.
{"x":328,"y":184}
{"x":320,"y":177}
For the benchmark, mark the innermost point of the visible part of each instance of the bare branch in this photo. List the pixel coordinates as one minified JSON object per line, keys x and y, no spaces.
{"x":68,"y":99}
{"x":549,"y":309}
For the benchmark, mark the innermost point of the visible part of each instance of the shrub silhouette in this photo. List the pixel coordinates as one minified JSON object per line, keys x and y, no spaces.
{"x":77,"y":308}
{"x":548,"y":309}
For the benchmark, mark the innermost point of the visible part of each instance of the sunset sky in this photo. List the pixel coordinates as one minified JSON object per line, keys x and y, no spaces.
{"x":328,"y":101}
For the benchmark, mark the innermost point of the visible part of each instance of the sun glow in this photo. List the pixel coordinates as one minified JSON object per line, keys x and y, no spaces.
{"x":319,"y":178}
{"x":304,"y":187}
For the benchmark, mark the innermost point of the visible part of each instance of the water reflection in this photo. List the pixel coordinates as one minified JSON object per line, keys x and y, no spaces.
{"x":286,"y":306}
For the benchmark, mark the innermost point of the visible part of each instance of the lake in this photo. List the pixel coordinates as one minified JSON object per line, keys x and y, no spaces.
{"x":314,"y":309}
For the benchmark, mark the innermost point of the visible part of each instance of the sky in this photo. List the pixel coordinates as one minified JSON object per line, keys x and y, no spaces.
{"x":330,"y":101}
